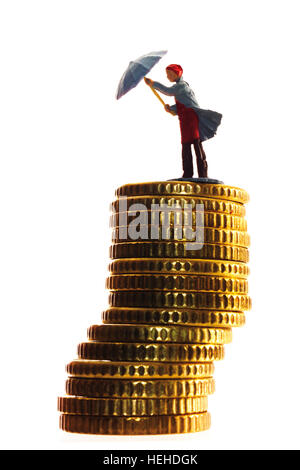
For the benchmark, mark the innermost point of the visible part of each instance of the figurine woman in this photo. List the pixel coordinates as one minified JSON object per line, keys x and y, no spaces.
{"x":196,"y":124}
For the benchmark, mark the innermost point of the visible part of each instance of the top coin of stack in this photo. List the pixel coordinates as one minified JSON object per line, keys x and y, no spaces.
{"x":178,"y":284}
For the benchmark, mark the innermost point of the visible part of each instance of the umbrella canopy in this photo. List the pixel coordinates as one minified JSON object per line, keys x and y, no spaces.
{"x":137,"y":70}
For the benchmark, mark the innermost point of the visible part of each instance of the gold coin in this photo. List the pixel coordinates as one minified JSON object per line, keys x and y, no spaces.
{"x":140,"y":370}
{"x":131,"y":406}
{"x":210,"y":235}
{"x":155,"y":334}
{"x":197,"y":300}
{"x":150,"y":352}
{"x":179,"y":266}
{"x":179,"y":282}
{"x":178,"y":249}
{"x":180,"y":202}
{"x":161,"y":188}
{"x":154,"y":220}
{"x":164,"y":316}
{"x":122,"y":388}
{"x":135,"y":426}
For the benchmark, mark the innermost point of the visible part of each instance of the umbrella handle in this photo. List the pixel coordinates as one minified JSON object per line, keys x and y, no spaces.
{"x":159,"y":97}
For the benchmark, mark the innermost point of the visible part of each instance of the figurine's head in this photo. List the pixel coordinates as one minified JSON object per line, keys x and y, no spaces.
{"x":173,"y":71}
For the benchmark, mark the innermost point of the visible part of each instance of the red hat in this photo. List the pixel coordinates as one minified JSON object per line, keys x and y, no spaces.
{"x":175,"y":68}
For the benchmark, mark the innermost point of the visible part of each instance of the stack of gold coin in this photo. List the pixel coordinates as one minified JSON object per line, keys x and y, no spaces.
{"x":177,"y":286}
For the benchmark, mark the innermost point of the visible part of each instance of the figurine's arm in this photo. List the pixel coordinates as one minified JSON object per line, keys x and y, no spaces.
{"x":166,"y":90}
{"x":172,"y":109}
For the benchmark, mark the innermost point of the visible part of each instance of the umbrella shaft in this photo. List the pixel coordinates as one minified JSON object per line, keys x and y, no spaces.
{"x":158,"y":96}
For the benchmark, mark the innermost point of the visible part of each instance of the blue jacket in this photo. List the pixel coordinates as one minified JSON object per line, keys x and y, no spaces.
{"x":182,"y":92}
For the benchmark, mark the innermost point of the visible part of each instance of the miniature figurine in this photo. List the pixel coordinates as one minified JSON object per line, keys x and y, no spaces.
{"x":196,"y":124}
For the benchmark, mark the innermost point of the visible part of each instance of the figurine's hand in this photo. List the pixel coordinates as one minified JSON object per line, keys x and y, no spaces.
{"x":148,"y":81}
{"x":167,"y":108}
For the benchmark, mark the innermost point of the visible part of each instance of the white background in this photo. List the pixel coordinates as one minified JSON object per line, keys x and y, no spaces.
{"x":67,"y":144}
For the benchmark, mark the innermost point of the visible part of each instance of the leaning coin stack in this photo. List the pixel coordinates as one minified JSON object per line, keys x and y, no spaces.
{"x":148,"y":367}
